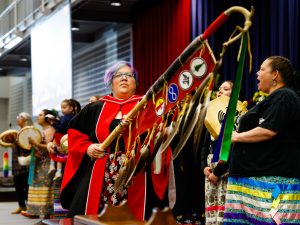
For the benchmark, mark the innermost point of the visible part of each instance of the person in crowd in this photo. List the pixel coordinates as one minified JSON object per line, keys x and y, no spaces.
{"x":94,"y":98}
{"x":40,"y":193}
{"x":20,"y":171}
{"x":69,"y":109}
{"x":77,"y":105}
{"x":61,"y":126}
{"x":91,"y":171}
{"x":264,"y":179}
{"x":216,"y":173}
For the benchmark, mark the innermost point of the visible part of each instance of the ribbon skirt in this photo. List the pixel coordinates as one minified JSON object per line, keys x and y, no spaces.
{"x":262,"y":200}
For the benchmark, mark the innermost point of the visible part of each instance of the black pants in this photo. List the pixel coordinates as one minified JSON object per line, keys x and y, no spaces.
{"x":21,"y":185}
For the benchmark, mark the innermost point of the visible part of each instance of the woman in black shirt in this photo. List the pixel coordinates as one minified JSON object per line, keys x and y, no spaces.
{"x":264,"y":177}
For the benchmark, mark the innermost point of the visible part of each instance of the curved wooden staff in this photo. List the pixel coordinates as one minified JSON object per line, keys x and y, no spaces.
{"x":223,"y":17}
{"x":198,"y":49}
{"x":186,"y":55}
{"x":197,"y":116}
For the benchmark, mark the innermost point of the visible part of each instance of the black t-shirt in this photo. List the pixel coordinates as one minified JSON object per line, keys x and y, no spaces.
{"x":278,"y":156}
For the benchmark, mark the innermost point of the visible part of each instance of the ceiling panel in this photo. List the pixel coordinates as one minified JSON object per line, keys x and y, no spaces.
{"x":92,"y":17}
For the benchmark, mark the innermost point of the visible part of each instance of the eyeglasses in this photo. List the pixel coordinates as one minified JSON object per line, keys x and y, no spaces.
{"x":127,"y":75}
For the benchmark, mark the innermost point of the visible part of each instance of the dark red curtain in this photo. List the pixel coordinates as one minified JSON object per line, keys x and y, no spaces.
{"x":160,"y":34}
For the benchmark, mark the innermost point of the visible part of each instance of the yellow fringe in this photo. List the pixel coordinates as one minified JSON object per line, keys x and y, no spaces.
{"x":202,"y":49}
{"x":117,"y":147}
{"x":249,"y":52}
{"x":129,"y":135}
{"x":152,"y":133}
{"x":153,"y":98}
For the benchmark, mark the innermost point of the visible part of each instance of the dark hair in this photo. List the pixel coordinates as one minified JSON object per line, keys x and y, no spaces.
{"x":285,"y":68}
{"x":68,"y":101}
{"x":50,"y":115}
{"x":76,"y":106}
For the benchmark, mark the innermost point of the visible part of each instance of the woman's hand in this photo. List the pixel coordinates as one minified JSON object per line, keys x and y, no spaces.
{"x":95,"y":152}
{"x":234,"y":137}
{"x":32,"y":142}
{"x":36,"y":150}
{"x":213,"y":178}
{"x":50,"y":147}
{"x":207,"y":171}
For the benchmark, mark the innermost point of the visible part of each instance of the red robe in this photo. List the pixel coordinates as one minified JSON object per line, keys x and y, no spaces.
{"x":90,"y":126}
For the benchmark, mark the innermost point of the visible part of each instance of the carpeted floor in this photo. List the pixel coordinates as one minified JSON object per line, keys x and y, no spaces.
{"x":14,"y":219}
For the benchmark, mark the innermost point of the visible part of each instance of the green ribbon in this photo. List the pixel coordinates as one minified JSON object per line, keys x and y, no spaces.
{"x":229,"y":124}
{"x":31,"y":167}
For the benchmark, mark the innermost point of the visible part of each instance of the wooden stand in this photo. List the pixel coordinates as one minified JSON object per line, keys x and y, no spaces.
{"x":162,"y":217}
{"x":118,"y":215}
{"x":66,"y":221}
{"x":112,"y":215}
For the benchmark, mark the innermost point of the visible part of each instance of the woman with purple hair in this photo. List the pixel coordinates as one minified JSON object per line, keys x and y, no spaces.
{"x":91,"y":171}
{"x":114,"y":69}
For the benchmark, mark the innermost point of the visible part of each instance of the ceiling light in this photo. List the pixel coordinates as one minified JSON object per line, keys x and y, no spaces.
{"x":75,"y":26}
{"x":115,"y":3}
{"x":23,"y":59}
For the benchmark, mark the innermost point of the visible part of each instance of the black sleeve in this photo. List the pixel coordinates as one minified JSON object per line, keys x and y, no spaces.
{"x":62,"y":124}
{"x":221,"y":168}
{"x":277,"y":112}
{"x":205,"y":149}
{"x":87,"y":126}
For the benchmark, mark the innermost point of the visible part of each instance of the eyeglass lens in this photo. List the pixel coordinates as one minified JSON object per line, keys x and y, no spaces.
{"x":127,"y":75}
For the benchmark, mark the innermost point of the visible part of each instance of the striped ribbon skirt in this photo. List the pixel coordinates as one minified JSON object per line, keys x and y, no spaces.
{"x":263,"y":201}
{"x":59,"y":211}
